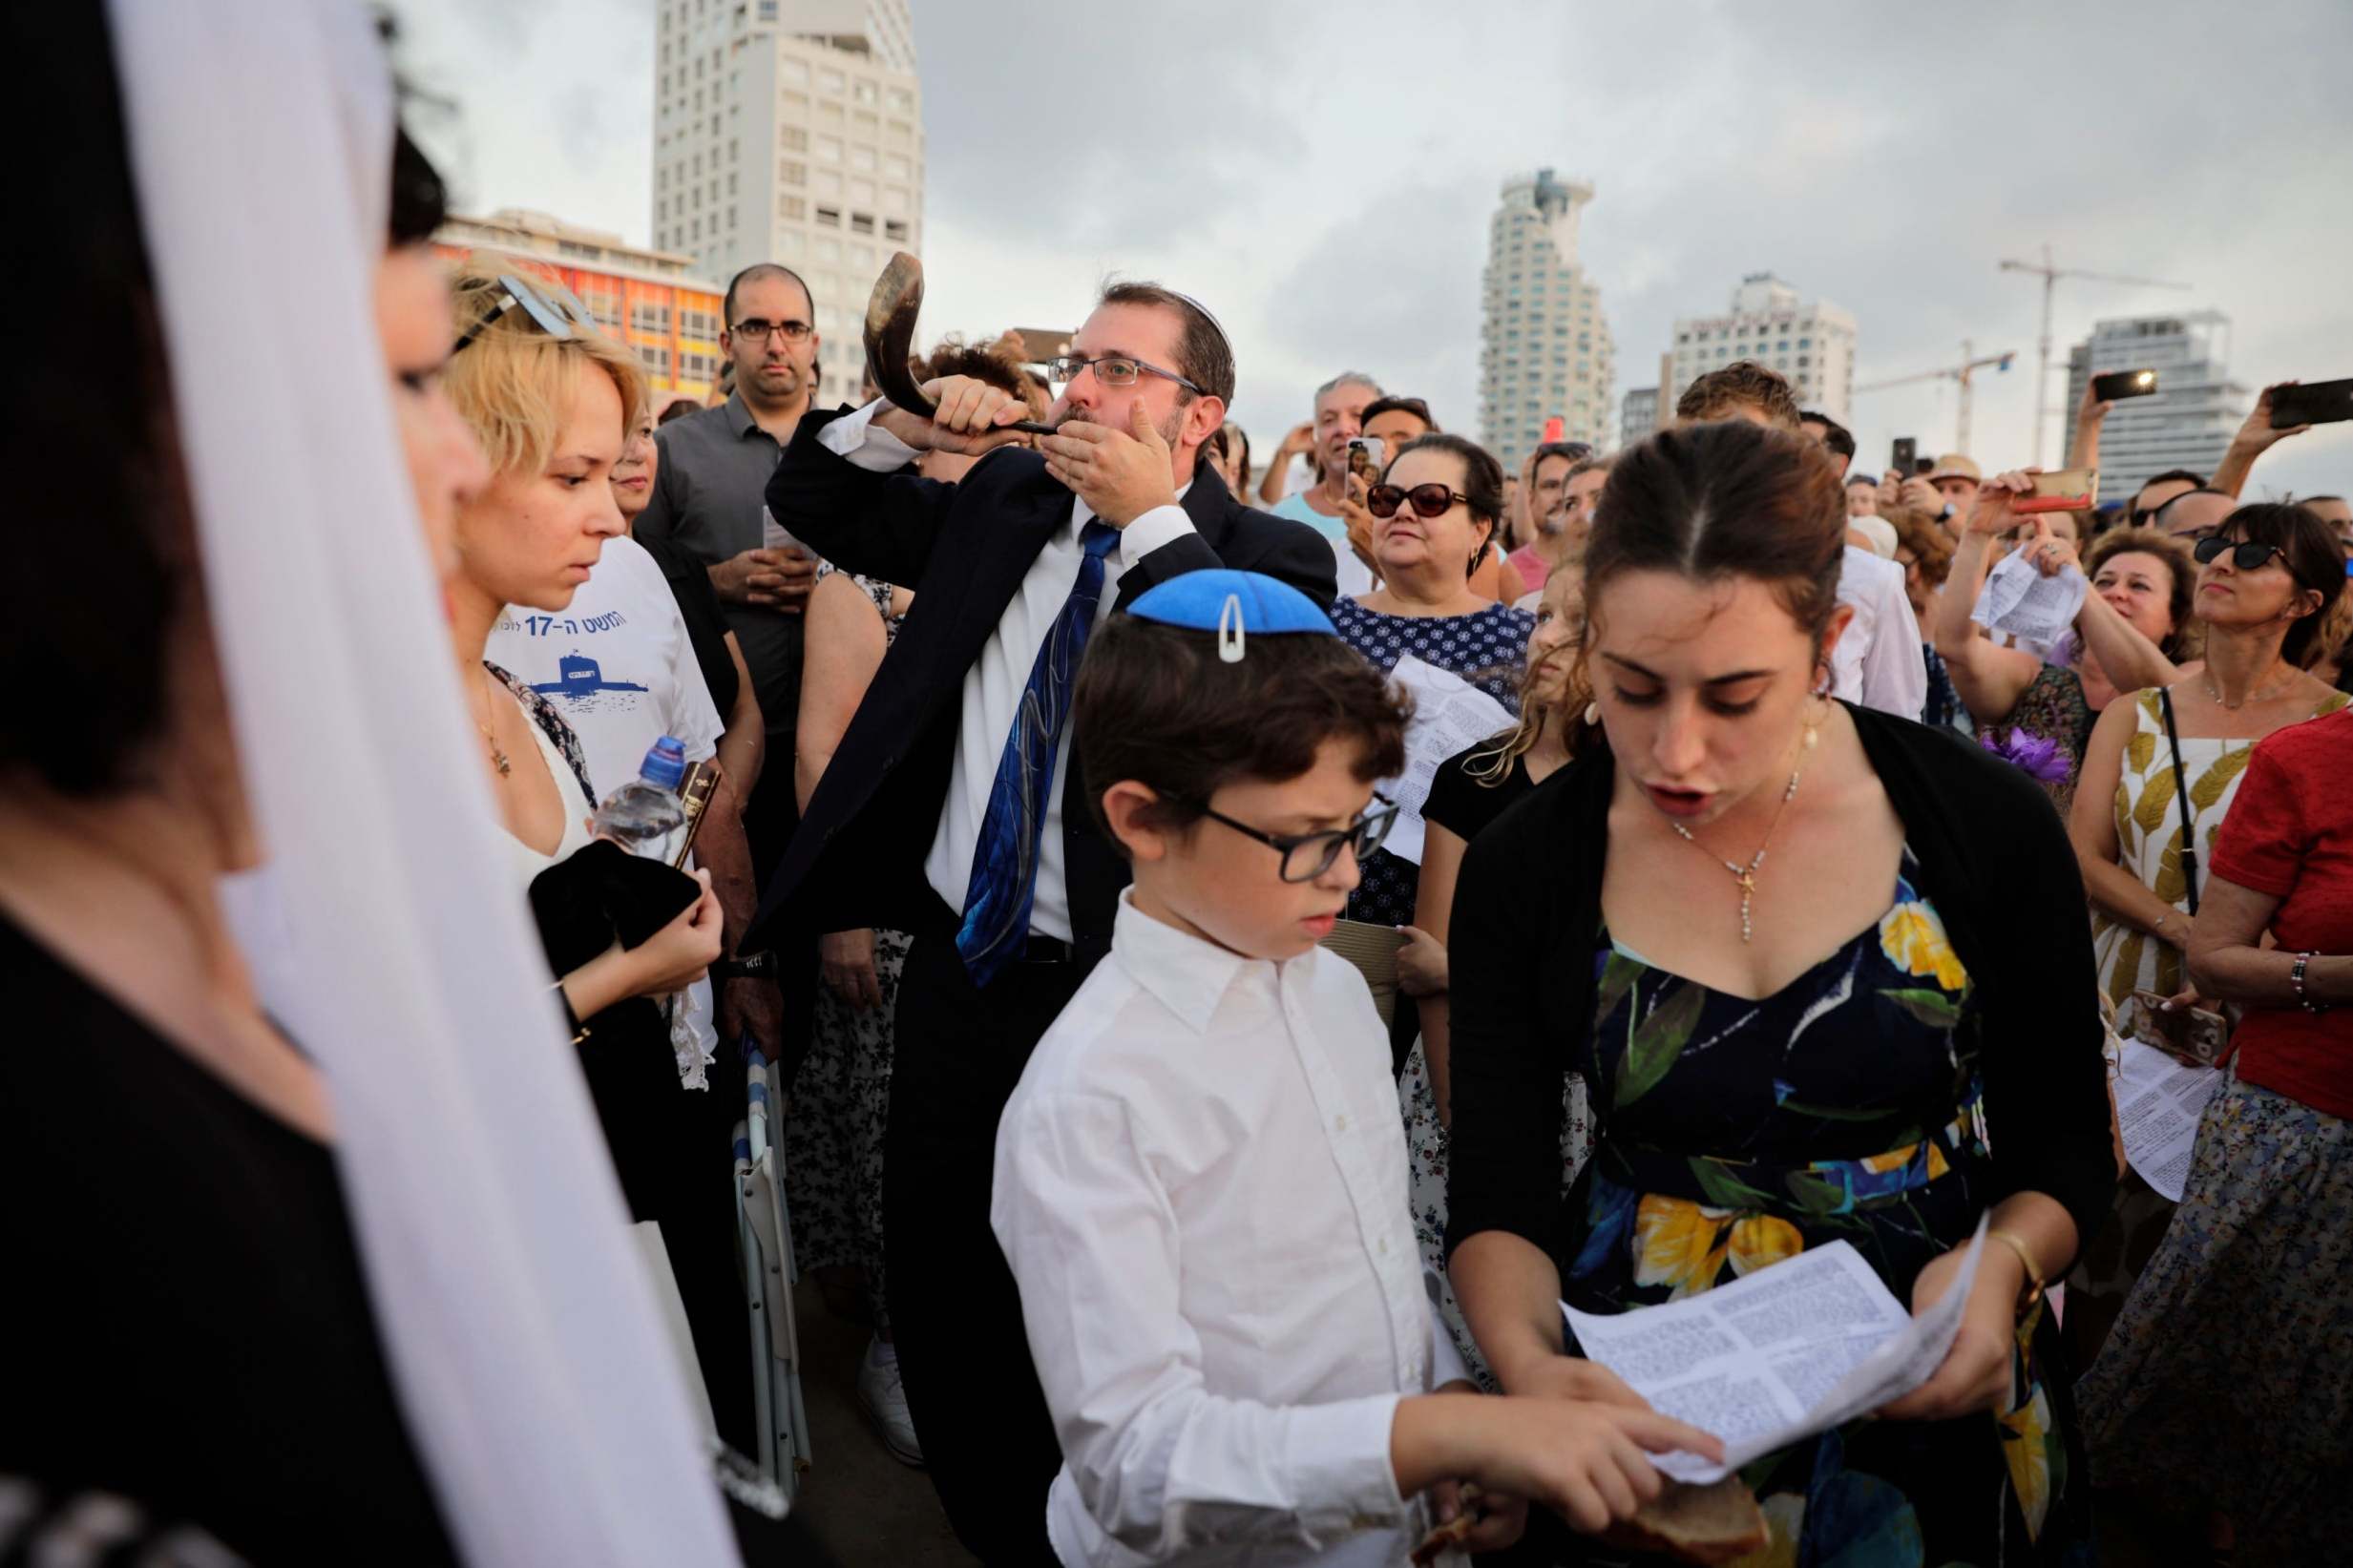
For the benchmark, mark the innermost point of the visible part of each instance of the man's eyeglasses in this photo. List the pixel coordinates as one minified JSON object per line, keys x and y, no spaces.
{"x":759,"y":331}
{"x":554,"y":309}
{"x":1112,"y":371}
{"x":1307,"y":856}
{"x":2246,"y":554}
{"x":1431,"y":500}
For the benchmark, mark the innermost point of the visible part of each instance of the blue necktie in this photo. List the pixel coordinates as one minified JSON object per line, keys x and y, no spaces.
{"x":1004,"y":880}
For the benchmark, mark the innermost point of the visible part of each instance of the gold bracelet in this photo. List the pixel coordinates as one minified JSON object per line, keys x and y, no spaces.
{"x":2025,"y":1261}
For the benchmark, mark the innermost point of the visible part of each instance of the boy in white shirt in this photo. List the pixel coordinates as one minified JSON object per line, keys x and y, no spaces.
{"x":1201,"y":1180}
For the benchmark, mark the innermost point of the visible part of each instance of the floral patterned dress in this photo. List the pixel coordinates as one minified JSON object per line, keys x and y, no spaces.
{"x":1734,"y":1134}
{"x":840,"y":1101}
{"x":1488,"y":648}
{"x":2053,"y":712}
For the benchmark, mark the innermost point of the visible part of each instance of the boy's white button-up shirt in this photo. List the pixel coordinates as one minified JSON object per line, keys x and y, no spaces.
{"x":1201,"y":1187}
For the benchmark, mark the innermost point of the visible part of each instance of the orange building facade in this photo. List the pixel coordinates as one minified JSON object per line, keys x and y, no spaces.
{"x":648,"y":299}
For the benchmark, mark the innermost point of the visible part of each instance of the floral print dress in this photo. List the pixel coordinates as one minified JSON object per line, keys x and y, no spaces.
{"x":1734,"y":1134}
{"x":1488,"y":648}
{"x":840,"y":1101}
{"x":2046,"y":732}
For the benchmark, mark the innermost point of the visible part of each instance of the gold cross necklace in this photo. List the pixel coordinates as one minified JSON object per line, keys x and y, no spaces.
{"x":1745,"y":875}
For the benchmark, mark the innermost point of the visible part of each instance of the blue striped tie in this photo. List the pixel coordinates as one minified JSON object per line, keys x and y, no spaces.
{"x":1004,"y":880}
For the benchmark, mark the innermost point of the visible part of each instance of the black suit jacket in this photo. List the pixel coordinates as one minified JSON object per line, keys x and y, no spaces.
{"x":857,"y":856}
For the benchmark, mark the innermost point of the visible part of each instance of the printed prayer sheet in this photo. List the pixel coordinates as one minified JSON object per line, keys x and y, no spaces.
{"x":2160,"y":1099}
{"x":1794,"y":1349}
{"x":1450,"y":716}
{"x":2020,"y":601}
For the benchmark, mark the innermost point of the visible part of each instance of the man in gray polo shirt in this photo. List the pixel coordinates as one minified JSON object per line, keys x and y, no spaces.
{"x":707,"y":489}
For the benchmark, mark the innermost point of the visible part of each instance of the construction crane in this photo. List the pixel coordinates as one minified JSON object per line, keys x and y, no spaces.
{"x":2050,"y":275}
{"x":1970,"y":363}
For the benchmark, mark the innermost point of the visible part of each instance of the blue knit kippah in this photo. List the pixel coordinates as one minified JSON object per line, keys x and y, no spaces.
{"x":1235,"y":603}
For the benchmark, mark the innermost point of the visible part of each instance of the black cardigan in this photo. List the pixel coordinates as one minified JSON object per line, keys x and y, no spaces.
{"x":1993,"y":858}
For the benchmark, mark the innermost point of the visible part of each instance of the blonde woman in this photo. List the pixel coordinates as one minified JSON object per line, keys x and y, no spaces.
{"x":1471,"y":790}
{"x":551,"y":401}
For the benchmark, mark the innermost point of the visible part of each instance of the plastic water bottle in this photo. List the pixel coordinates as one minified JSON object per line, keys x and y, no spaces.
{"x":645,"y":817}
{"x":644,"y":814}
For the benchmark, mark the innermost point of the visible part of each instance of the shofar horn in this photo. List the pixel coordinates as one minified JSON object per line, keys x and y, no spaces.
{"x":890,"y":336}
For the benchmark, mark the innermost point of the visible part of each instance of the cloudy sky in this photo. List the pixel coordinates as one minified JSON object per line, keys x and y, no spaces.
{"x":1322,"y":176}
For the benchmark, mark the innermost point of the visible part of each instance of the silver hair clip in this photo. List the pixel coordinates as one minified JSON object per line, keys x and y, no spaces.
{"x":1230,"y":630}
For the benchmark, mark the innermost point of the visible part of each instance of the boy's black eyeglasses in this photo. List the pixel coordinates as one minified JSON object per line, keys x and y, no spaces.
{"x":1307,"y":856}
{"x":1431,"y":500}
{"x":2246,"y":554}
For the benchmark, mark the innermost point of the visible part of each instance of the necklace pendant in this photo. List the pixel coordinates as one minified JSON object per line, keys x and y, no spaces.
{"x":500,"y":757}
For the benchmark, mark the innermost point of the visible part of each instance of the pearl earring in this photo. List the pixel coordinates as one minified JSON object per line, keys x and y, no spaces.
{"x":1593,"y":713}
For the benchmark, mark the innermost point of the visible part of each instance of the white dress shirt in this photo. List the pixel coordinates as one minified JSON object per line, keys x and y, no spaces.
{"x":1201,"y":1187}
{"x":1879,"y":662}
{"x":992,"y":686}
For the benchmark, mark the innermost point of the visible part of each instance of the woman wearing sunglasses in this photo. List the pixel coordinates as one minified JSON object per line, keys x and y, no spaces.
{"x":1435,"y":514}
{"x":2158,"y":778}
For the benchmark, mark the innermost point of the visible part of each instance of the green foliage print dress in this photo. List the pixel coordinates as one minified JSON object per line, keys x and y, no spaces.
{"x":1733,"y":1134}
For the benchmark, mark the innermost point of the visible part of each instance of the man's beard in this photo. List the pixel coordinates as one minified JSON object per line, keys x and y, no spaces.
{"x":1166,"y":430}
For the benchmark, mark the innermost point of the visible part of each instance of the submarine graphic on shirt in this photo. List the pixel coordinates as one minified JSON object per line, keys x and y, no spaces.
{"x":578,"y":676}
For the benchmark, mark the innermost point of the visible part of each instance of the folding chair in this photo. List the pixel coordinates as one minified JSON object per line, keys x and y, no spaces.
{"x":765,"y":1236}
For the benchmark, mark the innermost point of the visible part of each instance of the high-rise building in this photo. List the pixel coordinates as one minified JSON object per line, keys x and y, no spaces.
{"x":2187,"y":423}
{"x":791,"y":131}
{"x":1544,"y":349}
{"x":651,"y":300}
{"x":1640,"y":416}
{"x":1810,"y":342}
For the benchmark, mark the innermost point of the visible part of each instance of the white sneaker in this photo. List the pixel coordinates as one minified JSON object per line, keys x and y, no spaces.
{"x":884,"y":1399}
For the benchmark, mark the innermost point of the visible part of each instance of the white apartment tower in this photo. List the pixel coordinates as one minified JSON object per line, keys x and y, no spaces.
{"x":791,"y":131}
{"x":1810,"y":342}
{"x":2187,"y":423}
{"x":1640,"y":417}
{"x":1544,"y":349}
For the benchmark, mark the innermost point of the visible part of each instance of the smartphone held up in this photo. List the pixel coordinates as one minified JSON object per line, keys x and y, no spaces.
{"x":2115,"y":386}
{"x":2311,"y":403}
{"x":2062,"y":490}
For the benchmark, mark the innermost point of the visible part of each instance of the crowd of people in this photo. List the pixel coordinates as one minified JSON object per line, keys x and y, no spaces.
{"x":1802,"y":896}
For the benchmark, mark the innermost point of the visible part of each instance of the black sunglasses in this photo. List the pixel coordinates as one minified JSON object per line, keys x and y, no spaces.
{"x":2246,"y":554}
{"x":1431,"y":500}
{"x":554,"y":309}
{"x":1307,"y":856}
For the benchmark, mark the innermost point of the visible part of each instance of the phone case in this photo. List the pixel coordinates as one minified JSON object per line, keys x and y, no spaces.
{"x":2190,"y":1032}
{"x":2065,"y":489}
